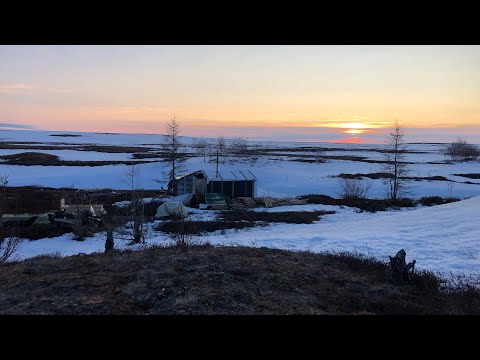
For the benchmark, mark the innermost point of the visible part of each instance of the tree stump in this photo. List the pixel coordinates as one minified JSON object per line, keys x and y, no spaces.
{"x":400,"y":269}
{"x":109,"y":242}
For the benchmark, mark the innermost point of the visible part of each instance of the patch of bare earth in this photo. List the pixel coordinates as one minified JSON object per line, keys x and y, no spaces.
{"x":42,"y":159}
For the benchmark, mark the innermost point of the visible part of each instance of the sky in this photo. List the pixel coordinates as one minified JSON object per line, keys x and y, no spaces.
{"x":294,"y":93}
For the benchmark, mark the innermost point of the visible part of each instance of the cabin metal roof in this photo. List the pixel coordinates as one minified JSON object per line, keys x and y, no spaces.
{"x":190,"y":173}
{"x":237,"y":175}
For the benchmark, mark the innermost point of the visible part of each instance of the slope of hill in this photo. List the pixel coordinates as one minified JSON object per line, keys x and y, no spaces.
{"x":220,"y":280}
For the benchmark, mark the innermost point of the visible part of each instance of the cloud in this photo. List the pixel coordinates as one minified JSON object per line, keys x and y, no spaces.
{"x":15,"y":88}
{"x":13,"y":126}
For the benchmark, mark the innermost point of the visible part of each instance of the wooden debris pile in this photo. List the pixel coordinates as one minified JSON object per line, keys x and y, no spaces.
{"x":272,"y":202}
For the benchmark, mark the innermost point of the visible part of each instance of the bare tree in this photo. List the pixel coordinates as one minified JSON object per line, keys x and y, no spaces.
{"x":239,"y":147}
{"x":8,"y":246}
{"x":172,"y":145}
{"x":461,"y":150}
{"x":201,"y":145}
{"x":221,"y":147}
{"x":255,"y":153}
{"x":135,"y":212}
{"x":395,"y":164}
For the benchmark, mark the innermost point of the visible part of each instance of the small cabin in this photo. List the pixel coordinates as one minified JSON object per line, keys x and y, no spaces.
{"x":194,"y":182}
{"x":239,"y":183}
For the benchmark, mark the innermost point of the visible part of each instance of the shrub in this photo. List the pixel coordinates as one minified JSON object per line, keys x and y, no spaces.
{"x":461,"y":150}
{"x":431,"y":200}
{"x":436,"y":200}
{"x":353,"y":188}
{"x":403,"y":202}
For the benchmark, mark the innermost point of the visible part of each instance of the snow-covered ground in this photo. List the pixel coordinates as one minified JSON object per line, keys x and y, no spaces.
{"x":444,"y":238}
{"x":277,"y":176}
{"x":74,"y":155}
{"x":441,"y":238}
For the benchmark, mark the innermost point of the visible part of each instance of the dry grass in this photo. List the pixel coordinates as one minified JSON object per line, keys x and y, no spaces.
{"x":220,"y":280}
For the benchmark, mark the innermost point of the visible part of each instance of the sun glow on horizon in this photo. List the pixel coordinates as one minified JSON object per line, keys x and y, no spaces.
{"x":354,"y":131}
{"x":350,"y":93}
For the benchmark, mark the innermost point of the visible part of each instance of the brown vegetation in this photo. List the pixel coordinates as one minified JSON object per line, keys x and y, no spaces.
{"x":289,"y":217}
{"x":383,"y":175}
{"x":190,"y":227}
{"x":469,"y":175}
{"x":221,"y":280}
{"x":36,"y":231}
{"x":371,"y":205}
{"x":42,"y":159}
{"x":236,"y":219}
{"x":374,"y":205}
{"x":79,"y":147}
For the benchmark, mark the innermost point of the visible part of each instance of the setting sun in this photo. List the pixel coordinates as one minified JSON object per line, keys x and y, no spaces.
{"x":355,"y":125}
{"x":354,"y":128}
{"x":354,"y":131}
{"x":295,"y":93}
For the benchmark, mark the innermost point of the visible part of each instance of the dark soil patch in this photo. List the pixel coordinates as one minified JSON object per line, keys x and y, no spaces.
{"x":469,"y":176}
{"x":78,"y":147}
{"x":371,"y":205}
{"x":311,"y":161}
{"x":381,"y":175}
{"x":233,"y":219}
{"x":188,"y":227}
{"x":427,"y":178}
{"x":36,"y":231}
{"x":289,"y":217}
{"x":326,"y":149}
{"x":115,"y":149}
{"x":32,"y":146}
{"x":149,"y":156}
{"x":322,"y":158}
{"x":42,"y":159}
{"x":315,"y":158}
{"x":221,"y":280}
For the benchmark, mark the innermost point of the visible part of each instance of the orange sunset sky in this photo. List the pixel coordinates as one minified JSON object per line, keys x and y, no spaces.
{"x":296,"y":93}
